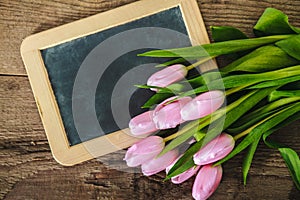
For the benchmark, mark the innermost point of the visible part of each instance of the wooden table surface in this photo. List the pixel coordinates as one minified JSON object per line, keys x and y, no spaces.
{"x":27,"y":168}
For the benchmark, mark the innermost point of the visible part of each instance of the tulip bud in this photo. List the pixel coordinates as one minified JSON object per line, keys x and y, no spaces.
{"x":215,"y":150}
{"x":159,"y":164}
{"x":167,"y":76}
{"x":207,"y":181}
{"x":144,"y":151}
{"x":167,"y":116}
{"x":142,"y":125}
{"x":184,"y":175}
{"x":202,"y":105}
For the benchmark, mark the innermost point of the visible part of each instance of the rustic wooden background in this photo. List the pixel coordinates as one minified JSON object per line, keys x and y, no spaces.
{"x":27,"y":169}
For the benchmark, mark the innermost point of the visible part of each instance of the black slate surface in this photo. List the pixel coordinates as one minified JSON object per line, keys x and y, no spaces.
{"x":64,"y":61}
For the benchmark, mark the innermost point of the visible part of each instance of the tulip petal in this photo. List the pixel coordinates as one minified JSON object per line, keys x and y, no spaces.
{"x":144,"y":151}
{"x":203,"y":105}
{"x":167,"y":116}
{"x":183,"y":176}
{"x":167,"y":76}
{"x":142,"y":125}
{"x":159,"y":164}
{"x":207,"y":181}
{"x":215,"y":150}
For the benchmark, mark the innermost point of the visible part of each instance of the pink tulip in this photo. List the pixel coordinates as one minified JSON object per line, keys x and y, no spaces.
{"x":215,"y":150}
{"x":202,"y":105}
{"x":183,"y":176}
{"x":207,"y":181}
{"x":167,"y":76}
{"x":142,"y":125}
{"x":159,"y":164}
{"x":167,"y":116}
{"x":144,"y":151}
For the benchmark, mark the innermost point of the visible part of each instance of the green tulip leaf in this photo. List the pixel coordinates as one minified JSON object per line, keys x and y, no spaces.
{"x":184,"y":134}
{"x":213,"y":130}
{"x":292,"y":161}
{"x":284,"y":123}
{"x":199,"y":135}
{"x":262,"y":127}
{"x":266,"y":58}
{"x":204,"y":78}
{"x":244,"y":80}
{"x":185,"y":162}
{"x":240,"y":127}
{"x":233,"y":112}
{"x":225,"y":33}
{"x":259,"y":114}
{"x":180,"y":168}
{"x":290,"y":156}
{"x":171,"y":62}
{"x":277,"y":82}
{"x":197,"y":81}
{"x":277,"y":94}
{"x":156,"y":99}
{"x":248,"y":159}
{"x":291,"y":46}
{"x":274,"y":22}
{"x":215,"y":49}
{"x":244,"y":106}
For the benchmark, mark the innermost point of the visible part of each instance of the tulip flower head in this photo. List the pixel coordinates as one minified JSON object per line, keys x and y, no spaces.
{"x":206,"y":182}
{"x":144,"y":151}
{"x":167,"y":76}
{"x":184,"y":175}
{"x":159,"y":164}
{"x":142,"y":125}
{"x":167,"y":115}
{"x":203,"y":105}
{"x":215,"y":150}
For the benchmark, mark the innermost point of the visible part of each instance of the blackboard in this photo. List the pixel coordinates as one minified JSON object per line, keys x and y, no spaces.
{"x":83,"y":73}
{"x":63,"y":62}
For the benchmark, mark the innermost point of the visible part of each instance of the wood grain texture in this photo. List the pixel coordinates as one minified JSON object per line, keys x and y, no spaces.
{"x":42,"y":90}
{"x":27,"y":169}
{"x":19,"y":19}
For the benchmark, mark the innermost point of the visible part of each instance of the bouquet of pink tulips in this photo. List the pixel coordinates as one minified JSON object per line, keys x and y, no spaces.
{"x":255,"y":95}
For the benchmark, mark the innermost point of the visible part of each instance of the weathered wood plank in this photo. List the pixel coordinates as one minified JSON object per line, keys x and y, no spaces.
{"x":19,"y":19}
{"x":28,"y":171}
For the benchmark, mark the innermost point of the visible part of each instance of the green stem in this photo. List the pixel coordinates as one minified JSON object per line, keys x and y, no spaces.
{"x":266,"y":108}
{"x":242,"y":134}
{"x":244,"y":79}
{"x":255,"y":116}
{"x":246,"y":132}
{"x":185,"y":129}
{"x":192,"y":66}
{"x":236,"y":89}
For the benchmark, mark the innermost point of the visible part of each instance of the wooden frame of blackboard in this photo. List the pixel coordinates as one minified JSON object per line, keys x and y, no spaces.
{"x":41,"y":86}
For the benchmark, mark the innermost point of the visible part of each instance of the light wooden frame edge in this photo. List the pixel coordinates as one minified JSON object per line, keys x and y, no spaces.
{"x":44,"y":96}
